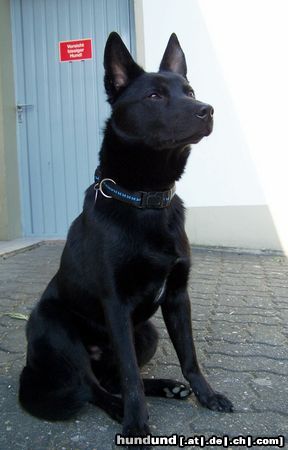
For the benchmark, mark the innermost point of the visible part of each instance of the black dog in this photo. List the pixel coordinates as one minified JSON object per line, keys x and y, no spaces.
{"x":126,"y":255}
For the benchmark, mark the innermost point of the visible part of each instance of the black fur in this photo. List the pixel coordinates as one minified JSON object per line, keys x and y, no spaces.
{"x":90,"y":331}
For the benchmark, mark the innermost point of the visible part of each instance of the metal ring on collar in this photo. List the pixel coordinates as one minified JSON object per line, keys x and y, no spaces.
{"x":101,"y":189}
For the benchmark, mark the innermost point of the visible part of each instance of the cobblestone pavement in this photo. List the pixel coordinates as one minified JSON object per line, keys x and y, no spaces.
{"x":240,"y":311}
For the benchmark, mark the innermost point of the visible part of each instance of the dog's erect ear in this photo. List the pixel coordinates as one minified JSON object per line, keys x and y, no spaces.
{"x":174,"y":59}
{"x":120,"y":67}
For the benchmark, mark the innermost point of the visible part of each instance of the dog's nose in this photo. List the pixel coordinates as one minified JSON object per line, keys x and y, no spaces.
{"x":205,"y":112}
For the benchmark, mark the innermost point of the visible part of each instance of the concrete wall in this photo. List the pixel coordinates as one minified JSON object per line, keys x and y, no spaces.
{"x":236,"y":183}
{"x":9,"y":185}
{"x":236,"y":180}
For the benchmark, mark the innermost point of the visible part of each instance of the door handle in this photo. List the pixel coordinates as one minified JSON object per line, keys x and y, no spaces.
{"x":20,"y":107}
{"x":24,"y":105}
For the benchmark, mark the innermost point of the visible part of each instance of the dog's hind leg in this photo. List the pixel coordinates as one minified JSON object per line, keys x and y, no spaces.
{"x":63,"y":403}
{"x":110,"y":403}
{"x":146,"y":340}
{"x":43,"y":398}
{"x":106,"y":370}
{"x":57,"y":380}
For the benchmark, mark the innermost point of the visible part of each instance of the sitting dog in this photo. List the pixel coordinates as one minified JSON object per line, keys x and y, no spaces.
{"x":126,"y":255}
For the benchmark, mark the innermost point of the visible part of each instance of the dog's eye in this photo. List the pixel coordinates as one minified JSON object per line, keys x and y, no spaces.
{"x":154,"y":95}
{"x":190,"y":93}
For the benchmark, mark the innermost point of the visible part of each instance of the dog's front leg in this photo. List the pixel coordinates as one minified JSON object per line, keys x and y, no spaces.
{"x":135,"y":422}
{"x":177,"y":316}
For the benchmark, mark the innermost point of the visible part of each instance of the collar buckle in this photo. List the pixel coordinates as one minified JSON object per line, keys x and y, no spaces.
{"x":153,"y":200}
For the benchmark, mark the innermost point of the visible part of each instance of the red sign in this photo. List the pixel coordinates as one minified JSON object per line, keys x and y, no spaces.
{"x":75,"y":50}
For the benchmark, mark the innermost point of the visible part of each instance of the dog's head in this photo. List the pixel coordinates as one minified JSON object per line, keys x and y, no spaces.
{"x":156,"y":109}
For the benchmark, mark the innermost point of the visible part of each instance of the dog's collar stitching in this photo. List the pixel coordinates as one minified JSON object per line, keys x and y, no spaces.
{"x":140,"y":199}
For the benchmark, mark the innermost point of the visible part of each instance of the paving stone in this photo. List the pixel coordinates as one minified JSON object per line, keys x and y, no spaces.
{"x":239,"y":314}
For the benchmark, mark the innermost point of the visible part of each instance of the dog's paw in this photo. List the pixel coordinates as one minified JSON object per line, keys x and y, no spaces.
{"x":177,"y":391}
{"x":217,"y":402}
{"x":134,"y":430}
{"x":136,"y":427}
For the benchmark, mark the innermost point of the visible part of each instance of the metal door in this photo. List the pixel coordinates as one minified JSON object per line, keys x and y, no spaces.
{"x":61,"y":105}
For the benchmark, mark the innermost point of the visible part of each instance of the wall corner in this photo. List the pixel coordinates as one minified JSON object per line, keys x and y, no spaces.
{"x":10,"y":214}
{"x":139,"y":31}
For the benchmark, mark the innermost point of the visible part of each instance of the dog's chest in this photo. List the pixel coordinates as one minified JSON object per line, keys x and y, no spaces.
{"x":160,"y":294}
{"x":144,"y":279}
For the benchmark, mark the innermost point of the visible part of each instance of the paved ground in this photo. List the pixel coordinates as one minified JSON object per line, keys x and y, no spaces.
{"x":240,"y":312}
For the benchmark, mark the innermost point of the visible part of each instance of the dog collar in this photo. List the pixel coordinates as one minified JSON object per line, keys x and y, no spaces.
{"x":141,"y":199}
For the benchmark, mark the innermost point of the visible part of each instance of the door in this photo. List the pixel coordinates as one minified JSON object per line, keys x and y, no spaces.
{"x":61,"y":105}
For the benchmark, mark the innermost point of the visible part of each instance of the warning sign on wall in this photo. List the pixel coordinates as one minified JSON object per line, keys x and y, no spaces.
{"x":77,"y":50}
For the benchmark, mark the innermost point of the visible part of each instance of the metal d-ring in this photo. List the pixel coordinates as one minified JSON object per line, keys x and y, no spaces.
{"x":100,"y":187}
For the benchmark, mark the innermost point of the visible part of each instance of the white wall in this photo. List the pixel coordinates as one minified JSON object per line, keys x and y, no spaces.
{"x":236,"y":54}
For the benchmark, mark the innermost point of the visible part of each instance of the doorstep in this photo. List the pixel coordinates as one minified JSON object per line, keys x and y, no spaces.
{"x":17,"y":245}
